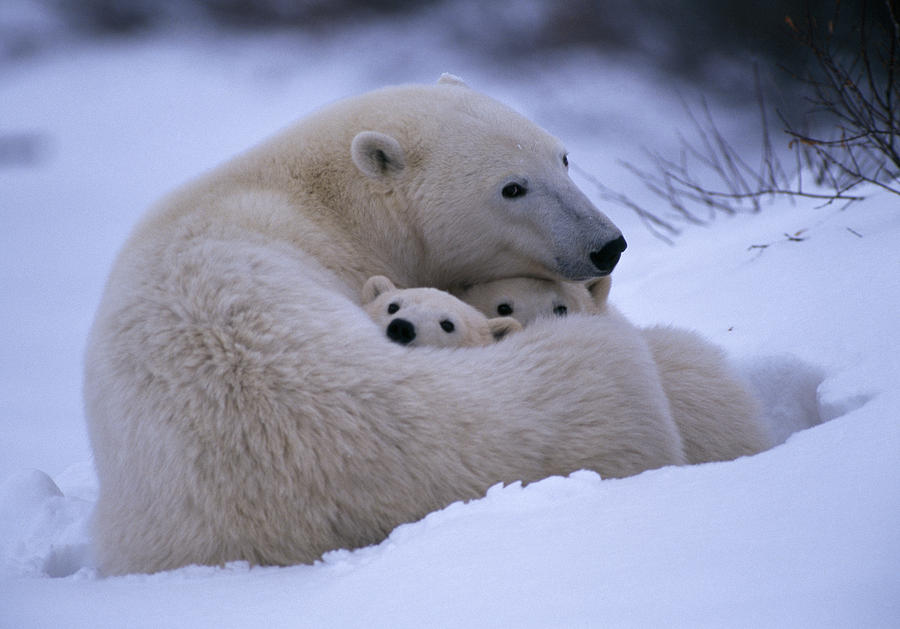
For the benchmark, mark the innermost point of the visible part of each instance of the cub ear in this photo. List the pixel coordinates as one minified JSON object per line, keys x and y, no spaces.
{"x":451,"y":79}
{"x":377,"y":154}
{"x":375,"y":286}
{"x":502,"y":326}
{"x":599,"y":290}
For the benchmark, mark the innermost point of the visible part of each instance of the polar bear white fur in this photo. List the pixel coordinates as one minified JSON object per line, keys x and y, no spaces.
{"x":430,"y":317}
{"x":241,"y":404}
{"x":716,"y":414}
{"x":527,"y":299}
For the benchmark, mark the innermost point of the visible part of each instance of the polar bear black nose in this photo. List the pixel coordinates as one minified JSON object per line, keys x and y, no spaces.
{"x":401,"y":331}
{"x":608,"y":256}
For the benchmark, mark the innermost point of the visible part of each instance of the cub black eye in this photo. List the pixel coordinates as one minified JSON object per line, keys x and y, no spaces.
{"x":504,"y":310}
{"x":447,"y":326}
{"x":566,"y":161}
{"x":560,"y":311}
{"x":394,"y":307}
{"x":513,"y":190}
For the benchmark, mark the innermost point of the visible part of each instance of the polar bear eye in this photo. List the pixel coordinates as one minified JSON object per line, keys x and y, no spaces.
{"x":566,"y":161}
{"x":447,"y":326}
{"x":560,"y":311}
{"x":504,"y":310}
{"x":392,"y":308}
{"x":513,"y":190}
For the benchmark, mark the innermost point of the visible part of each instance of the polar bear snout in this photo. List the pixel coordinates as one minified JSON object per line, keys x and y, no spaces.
{"x":606,"y":258}
{"x":401,"y":331}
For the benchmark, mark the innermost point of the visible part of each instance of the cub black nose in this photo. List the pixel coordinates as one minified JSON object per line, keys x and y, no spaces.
{"x":606,"y":258}
{"x":401,"y":331}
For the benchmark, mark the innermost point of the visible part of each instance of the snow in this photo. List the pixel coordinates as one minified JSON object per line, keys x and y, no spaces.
{"x":803,"y":535}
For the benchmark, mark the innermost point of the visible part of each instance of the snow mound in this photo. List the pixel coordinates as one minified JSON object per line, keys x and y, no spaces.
{"x":788,"y":391}
{"x":42,"y":532}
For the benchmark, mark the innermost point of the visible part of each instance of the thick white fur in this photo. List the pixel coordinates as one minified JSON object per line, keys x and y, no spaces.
{"x":716,"y":414}
{"x":427,"y":310}
{"x":240,"y":403}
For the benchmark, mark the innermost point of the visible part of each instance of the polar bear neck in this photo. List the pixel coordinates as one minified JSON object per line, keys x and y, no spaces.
{"x":360,"y":226}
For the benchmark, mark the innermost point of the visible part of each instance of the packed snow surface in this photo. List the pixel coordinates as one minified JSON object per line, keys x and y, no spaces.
{"x":803,"y":535}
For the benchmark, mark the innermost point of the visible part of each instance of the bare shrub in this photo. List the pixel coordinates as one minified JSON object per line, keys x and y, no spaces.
{"x":855,"y":114}
{"x":859,"y":95}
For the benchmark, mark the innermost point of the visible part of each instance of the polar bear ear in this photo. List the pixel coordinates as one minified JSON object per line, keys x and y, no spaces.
{"x":502,"y":326}
{"x":451,"y":79}
{"x":377,"y":154}
{"x":375,"y":286}
{"x":599,"y":289}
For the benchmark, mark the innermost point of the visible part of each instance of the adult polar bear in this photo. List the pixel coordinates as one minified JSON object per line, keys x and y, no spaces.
{"x":242,"y":406}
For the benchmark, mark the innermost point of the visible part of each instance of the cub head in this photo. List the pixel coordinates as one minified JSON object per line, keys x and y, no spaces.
{"x":430,"y":317}
{"x":526,"y":299}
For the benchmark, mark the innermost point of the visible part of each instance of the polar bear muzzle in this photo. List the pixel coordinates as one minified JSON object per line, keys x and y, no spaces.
{"x":606,"y":258}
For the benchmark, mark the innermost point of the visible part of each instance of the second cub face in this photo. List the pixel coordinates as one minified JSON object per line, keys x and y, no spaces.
{"x":527,"y":299}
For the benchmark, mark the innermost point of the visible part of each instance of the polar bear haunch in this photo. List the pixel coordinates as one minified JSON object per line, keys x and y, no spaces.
{"x":718,"y":417}
{"x":236,"y":395}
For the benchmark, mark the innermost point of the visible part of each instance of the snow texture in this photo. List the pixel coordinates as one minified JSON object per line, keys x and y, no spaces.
{"x":803,"y":535}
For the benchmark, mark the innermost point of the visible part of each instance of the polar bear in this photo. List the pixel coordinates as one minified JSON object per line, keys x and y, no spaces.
{"x":527,"y":299}
{"x":241,"y":404}
{"x":430,"y":317}
{"x":717,"y":416}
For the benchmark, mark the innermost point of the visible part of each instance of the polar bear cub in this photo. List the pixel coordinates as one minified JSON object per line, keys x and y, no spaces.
{"x":430,"y":317}
{"x":527,"y":299}
{"x":716,"y":414}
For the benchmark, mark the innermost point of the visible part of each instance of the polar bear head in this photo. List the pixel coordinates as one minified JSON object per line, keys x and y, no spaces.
{"x":527,"y":299}
{"x":430,"y":317}
{"x":488,"y":190}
